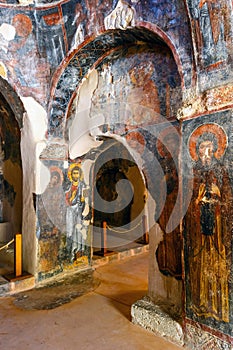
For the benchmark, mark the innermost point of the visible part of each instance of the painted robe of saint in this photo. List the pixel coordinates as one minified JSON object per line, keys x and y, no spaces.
{"x":74,"y":215}
{"x":207,"y":226}
{"x":169,"y":249}
{"x":51,"y":204}
{"x":212,"y":26}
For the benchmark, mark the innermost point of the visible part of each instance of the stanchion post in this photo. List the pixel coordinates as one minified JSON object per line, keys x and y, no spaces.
{"x":145,"y":229}
{"x":104,"y":238}
{"x":18,"y":273}
{"x":18,"y":255}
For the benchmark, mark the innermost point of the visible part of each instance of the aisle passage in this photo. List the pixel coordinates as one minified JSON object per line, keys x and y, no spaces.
{"x":98,"y":320}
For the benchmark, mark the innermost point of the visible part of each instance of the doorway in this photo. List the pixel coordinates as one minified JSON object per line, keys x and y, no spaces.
{"x":10,"y":184}
{"x":118,"y":200}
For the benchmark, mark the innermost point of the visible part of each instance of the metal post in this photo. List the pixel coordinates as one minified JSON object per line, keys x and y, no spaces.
{"x":145,"y":229}
{"x":18,"y":255}
{"x":104,"y":238}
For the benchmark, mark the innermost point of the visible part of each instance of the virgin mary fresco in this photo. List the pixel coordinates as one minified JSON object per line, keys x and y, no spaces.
{"x":207,"y":226}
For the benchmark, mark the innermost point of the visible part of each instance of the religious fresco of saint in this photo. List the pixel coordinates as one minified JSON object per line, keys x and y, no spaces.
{"x":208,"y":221}
{"x":63,"y":220}
{"x":76,"y":232}
{"x":169,"y":249}
{"x":159,"y":146}
{"x":211,"y":22}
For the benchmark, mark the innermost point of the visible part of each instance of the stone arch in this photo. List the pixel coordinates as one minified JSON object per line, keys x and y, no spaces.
{"x":70,"y":80}
{"x":13,"y":101}
{"x":122,"y":205}
{"x":11,"y":174}
{"x":77,"y":65}
{"x":76,"y":123}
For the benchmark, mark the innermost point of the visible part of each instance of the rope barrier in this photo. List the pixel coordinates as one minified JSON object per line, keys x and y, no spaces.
{"x":125,"y":231}
{"x":7,"y":245}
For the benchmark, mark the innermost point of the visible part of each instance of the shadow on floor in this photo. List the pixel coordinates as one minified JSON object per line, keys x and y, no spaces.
{"x":58,"y":292}
{"x":123,"y":302}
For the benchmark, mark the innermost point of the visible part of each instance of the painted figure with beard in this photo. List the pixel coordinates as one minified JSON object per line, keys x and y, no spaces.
{"x":207,"y":226}
{"x":74,"y":215}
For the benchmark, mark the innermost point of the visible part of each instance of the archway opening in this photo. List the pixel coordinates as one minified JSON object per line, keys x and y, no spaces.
{"x":135,"y":89}
{"x":119,"y":192}
{"x":10,"y":184}
{"x":130,"y":85}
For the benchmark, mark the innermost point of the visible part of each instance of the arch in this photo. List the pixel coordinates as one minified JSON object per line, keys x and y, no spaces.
{"x":78,"y":63}
{"x":11,"y":174}
{"x":13,"y":100}
{"x":119,"y":189}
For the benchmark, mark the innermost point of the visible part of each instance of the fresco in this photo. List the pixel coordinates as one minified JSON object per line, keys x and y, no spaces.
{"x":15,"y":2}
{"x":212,"y":27}
{"x":62,"y":226}
{"x":44,"y":36}
{"x":159,"y":147}
{"x":87,"y":18}
{"x":141,"y":104}
{"x":18,"y":40}
{"x":74,"y":215}
{"x":50,"y":24}
{"x":207,"y":224}
{"x":169,"y":249}
{"x":142,"y":93}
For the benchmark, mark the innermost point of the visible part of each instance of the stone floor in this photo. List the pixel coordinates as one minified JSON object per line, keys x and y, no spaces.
{"x":98,"y":317}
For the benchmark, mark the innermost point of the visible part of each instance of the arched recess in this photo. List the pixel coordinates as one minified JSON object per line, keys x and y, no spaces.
{"x":77,"y":65}
{"x":11,"y":176}
{"x":94,"y":57}
{"x":13,"y":101}
{"x":119,"y":197}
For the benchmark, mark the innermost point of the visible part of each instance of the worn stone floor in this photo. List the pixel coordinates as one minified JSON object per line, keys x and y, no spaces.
{"x":68,"y":315}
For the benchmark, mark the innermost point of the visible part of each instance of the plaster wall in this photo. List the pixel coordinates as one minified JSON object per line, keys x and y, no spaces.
{"x":35,"y":177}
{"x":81,"y":126}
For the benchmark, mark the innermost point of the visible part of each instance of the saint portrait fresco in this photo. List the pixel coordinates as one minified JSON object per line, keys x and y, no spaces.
{"x":212,"y":28}
{"x":169,"y":249}
{"x":75,"y":201}
{"x":63,"y":224}
{"x":51,"y":204}
{"x":207,"y":228}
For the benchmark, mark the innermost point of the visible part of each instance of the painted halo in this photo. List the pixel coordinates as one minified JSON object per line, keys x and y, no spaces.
{"x":22,"y":24}
{"x":210,"y":128}
{"x":71,"y":167}
{"x":59,"y":171}
{"x":171,"y":130}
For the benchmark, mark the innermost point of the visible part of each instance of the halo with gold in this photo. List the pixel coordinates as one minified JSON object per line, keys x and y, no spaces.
{"x":70,"y":169}
{"x":210,"y":128}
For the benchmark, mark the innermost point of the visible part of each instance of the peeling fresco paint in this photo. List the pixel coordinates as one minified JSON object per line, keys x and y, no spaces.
{"x":207,"y":224}
{"x":151,"y":60}
{"x":52,"y":31}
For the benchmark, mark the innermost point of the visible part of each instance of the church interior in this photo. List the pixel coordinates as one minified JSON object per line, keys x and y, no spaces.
{"x":115,"y":141}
